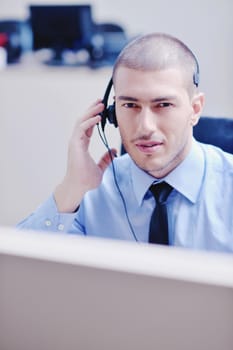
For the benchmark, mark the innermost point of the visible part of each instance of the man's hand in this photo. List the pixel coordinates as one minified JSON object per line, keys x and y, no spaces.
{"x":82,"y":174}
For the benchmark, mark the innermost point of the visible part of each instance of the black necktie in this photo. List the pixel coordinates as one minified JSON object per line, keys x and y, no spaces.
{"x":159,"y":224}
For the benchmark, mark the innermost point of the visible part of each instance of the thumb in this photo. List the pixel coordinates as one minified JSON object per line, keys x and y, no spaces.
{"x":107,"y":158}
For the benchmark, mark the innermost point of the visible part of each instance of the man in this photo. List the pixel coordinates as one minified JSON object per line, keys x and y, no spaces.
{"x":156,"y":103}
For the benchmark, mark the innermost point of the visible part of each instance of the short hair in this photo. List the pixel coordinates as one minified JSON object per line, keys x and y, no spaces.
{"x":158,"y":51}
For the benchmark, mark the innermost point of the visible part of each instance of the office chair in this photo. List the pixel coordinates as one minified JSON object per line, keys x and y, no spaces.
{"x":215,"y":131}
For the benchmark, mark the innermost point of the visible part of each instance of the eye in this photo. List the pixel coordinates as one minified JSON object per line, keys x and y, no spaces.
{"x":164,"y":105}
{"x":130,"y":105}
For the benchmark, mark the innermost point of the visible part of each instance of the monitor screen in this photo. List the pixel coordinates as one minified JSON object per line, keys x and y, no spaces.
{"x":61,"y":27}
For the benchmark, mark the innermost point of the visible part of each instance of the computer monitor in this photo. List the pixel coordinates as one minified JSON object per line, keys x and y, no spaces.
{"x":60,"y":28}
{"x":68,"y":292}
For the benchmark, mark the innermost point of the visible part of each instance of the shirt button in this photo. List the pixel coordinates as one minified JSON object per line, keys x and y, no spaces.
{"x":48,"y":223}
{"x":60,"y":227}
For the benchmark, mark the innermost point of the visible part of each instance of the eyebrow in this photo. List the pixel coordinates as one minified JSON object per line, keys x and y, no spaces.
{"x":157,"y":99}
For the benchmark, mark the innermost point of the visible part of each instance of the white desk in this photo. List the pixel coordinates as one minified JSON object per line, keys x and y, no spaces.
{"x":69,"y":292}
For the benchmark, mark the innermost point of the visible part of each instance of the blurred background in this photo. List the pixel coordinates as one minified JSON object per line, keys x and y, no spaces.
{"x":56,"y":58}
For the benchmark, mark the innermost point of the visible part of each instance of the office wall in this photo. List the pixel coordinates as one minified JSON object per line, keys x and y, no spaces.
{"x":39,"y":105}
{"x":39,"y":108}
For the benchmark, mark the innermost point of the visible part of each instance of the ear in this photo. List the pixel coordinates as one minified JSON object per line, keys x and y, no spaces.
{"x":197,"y":102}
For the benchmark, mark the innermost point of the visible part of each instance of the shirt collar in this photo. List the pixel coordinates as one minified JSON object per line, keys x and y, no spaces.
{"x":141,"y":181}
{"x":186,"y":178}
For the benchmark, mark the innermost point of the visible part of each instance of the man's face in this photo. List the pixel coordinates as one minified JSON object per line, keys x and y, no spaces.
{"x":155,"y":115}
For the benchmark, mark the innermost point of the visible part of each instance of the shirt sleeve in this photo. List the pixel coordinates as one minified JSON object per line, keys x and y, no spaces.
{"x":47,"y":218}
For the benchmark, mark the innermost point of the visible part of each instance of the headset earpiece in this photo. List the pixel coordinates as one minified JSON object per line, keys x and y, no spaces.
{"x":109,"y":111}
{"x":111,"y":115}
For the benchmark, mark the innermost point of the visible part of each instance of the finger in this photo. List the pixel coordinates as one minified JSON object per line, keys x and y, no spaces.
{"x":95,"y":109}
{"x":89,"y":119}
{"x":107,"y":159}
{"x":88,"y":125}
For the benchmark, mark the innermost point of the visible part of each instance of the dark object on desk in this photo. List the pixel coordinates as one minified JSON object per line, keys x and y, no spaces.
{"x":17,"y":38}
{"x":71,"y":29}
{"x":107,"y":42}
{"x":61,"y":28}
{"x":214,"y":131}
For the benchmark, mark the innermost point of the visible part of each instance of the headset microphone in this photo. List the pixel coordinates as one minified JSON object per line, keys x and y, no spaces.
{"x":109,"y":111}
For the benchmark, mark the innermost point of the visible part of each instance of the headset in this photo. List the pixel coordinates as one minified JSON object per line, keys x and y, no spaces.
{"x":109,"y":112}
{"x":110,"y":115}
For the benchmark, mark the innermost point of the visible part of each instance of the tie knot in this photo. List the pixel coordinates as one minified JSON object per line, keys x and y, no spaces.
{"x":161,"y":191}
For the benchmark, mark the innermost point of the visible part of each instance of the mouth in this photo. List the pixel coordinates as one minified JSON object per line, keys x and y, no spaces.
{"x":148,"y":146}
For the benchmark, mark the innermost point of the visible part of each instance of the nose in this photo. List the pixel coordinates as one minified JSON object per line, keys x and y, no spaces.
{"x":147,"y":120}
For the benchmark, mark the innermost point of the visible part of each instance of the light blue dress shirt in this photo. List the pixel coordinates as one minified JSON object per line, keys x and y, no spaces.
{"x":200,"y":208}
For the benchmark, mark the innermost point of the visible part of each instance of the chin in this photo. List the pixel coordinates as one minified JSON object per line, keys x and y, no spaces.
{"x":150,"y":166}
